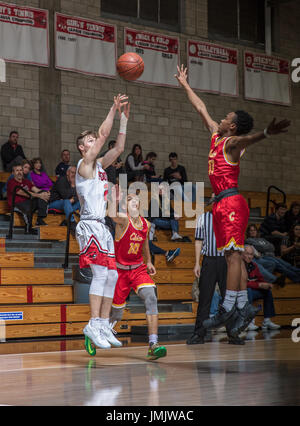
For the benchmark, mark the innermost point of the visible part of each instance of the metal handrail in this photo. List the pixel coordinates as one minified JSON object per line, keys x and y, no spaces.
{"x":11,"y":224}
{"x":274,"y":202}
{"x":66,"y":264}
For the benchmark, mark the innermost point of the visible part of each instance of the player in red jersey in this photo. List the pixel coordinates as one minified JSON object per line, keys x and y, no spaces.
{"x":131,"y":244}
{"x":230,"y":211}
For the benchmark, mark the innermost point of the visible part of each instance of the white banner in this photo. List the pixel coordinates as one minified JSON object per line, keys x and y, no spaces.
{"x":212,"y":68}
{"x":85,"y":46}
{"x":160,"y":54}
{"x":267,"y":79}
{"x":24,"y":35}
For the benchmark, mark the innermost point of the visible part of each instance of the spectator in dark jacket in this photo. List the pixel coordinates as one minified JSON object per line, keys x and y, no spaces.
{"x":64,"y":196}
{"x":292,"y":216}
{"x":62,"y":167}
{"x":290,"y":248}
{"x":11,"y":152}
{"x":273,"y":227}
{"x":259,"y":289}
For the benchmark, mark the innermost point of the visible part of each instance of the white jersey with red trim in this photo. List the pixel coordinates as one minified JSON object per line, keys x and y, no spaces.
{"x":92,"y":194}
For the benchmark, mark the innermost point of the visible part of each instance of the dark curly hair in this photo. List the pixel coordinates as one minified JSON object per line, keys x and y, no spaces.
{"x":243,"y":121}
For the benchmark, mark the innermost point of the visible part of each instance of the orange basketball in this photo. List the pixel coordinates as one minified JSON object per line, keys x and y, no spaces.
{"x":130,"y":66}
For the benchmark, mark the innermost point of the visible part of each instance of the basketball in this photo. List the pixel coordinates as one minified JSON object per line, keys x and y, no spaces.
{"x":130,"y":66}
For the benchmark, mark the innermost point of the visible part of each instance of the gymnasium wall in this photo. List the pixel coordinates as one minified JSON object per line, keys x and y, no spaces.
{"x":50,"y":107}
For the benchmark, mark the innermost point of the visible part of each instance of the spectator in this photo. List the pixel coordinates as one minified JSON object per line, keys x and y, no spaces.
{"x":134,"y":168}
{"x":290,"y":247}
{"x":213,"y":271}
{"x":11,"y":152}
{"x":273,"y":228}
{"x":177,"y":173}
{"x":114,"y":169}
{"x":259,"y":289}
{"x":174,"y":173}
{"x":150,"y":174}
{"x":63,"y":166}
{"x":39,"y":177}
{"x":23,"y":204}
{"x":26,"y":165}
{"x":170,"y":254}
{"x":267,"y":258}
{"x":159,"y":220}
{"x":292,"y":216}
{"x":64,"y":196}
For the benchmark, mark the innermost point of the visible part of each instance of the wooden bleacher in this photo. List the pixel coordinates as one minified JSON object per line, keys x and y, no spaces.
{"x":47,"y":303}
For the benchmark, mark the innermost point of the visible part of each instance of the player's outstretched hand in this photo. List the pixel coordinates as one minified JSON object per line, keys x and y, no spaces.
{"x":120,"y":101}
{"x":151,"y":269}
{"x":126,"y":109}
{"x":279,"y":127}
{"x":181,"y":76}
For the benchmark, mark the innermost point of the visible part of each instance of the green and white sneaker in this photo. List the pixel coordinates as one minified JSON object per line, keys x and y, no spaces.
{"x":156,"y":351}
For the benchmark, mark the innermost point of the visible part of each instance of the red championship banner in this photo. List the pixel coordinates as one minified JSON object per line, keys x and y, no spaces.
{"x":267,"y":79}
{"x":212,"y":68}
{"x":160,"y":54}
{"x":85,"y":46}
{"x":24,"y":34}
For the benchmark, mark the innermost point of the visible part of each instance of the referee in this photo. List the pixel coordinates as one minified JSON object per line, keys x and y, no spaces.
{"x":213,"y":270}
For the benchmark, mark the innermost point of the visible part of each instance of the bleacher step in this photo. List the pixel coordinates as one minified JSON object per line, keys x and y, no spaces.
{"x":165,"y":329}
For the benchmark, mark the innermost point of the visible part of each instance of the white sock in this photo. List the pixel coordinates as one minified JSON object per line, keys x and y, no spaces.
{"x":242,"y":298}
{"x":153,"y":338}
{"x":229,"y":300}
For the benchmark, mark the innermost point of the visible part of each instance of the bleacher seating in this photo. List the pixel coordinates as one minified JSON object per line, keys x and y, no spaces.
{"x":45,"y":294}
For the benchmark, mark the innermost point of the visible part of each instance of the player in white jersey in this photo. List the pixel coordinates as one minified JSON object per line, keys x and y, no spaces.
{"x":95,"y":241}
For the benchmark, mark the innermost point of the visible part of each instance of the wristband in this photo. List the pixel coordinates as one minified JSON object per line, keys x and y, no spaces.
{"x":123,"y":124}
{"x":266,"y":133}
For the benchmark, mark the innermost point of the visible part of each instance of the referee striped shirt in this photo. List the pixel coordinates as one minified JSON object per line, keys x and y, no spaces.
{"x":204,"y":232}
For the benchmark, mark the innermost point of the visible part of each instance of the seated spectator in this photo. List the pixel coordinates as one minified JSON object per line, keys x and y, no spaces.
{"x":134,"y":168}
{"x":273,"y":227}
{"x":23,"y":203}
{"x":177,"y":173}
{"x":170,"y":254}
{"x":259,"y":289}
{"x":11,"y":152}
{"x":26,"y":165}
{"x":290,"y":247}
{"x":174,"y":173}
{"x":39,"y":177}
{"x":64,"y":197}
{"x":114,"y":169}
{"x":292,"y":216}
{"x":160,"y":221}
{"x":267,"y":258}
{"x":63,"y":166}
{"x":150,"y":174}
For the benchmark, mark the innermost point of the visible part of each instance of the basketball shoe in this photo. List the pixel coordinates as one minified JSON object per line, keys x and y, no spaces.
{"x":95,"y":333}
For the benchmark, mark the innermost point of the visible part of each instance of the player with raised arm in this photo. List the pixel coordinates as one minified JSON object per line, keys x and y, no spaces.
{"x":132,"y":247}
{"x":95,"y":240}
{"x":229,"y":139}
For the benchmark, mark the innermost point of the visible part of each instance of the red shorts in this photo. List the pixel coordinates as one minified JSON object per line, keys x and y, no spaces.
{"x":130,"y":279}
{"x":230,"y":220}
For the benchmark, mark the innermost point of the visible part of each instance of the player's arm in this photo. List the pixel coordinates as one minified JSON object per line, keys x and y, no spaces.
{"x":236,"y":144}
{"x":147,"y":257}
{"x":111,"y":156}
{"x":113,"y":207}
{"x":197,"y":103}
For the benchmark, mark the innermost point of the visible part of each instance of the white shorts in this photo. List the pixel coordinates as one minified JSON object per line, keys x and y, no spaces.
{"x":96,"y":244}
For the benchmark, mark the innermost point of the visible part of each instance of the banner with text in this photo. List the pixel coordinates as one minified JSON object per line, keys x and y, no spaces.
{"x":160,"y":54}
{"x":85,"y":46}
{"x":24,"y":35}
{"x":212,"y":68}
{"x":267,"y":79}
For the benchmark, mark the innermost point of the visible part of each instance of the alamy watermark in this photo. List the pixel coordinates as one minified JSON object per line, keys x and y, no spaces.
{"x":185,"y":200}
{"x":296,"y":72}
{"x":296,"y":332}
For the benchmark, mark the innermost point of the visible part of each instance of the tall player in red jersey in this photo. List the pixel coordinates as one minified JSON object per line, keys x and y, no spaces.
{"x":131,"y":244}
{"x":230,"y":211}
